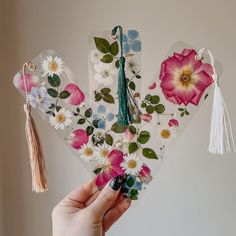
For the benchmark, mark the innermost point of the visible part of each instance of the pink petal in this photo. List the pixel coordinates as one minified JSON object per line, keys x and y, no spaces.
{"x":173,"y":122}
{"x":186,"y":96}
{"x":162,"y":71}
{"x":190,"y":60}
{"x":79,"y":138}
{"x":152,"y":86}
{"x":169,"y":96}
{"x":128,"y":135}
{"x":187,"y":51}
{"x":206,"y":68}
{"x":32,"y":81}
{"x":196,"y":99}
{"x":76,"y":95}
{"x":167,"y":82}
{"x":146,"y":117}
{"x":204,"y":81}
{"x":145,"y":171}
{"x":115,"y":157}
{"x":171,"y":64}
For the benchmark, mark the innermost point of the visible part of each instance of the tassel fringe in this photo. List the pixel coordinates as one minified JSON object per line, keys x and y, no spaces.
{"x":221,"y":135}
{"x":39,"y":181}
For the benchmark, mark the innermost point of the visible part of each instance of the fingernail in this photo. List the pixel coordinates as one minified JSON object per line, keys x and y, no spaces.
{"x":116,"y":182}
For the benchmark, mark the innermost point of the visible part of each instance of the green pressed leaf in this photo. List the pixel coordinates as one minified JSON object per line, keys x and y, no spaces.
{"x":205,"y":97}
{"x":130,"y":181}
{"x":95,"y":123}
{"x":98,"y":97}
{"x":109,"y":139}
{"x":81,"y":121}
{"x":149,"y":109}
{"x":149,"y":153}
{"x":64,"y":94}
{"x":54,"y":80}
{"x":75,"y":114}
{"x":132,"y":129}
{"x":134,"y":192}
{"x":52,"y":92}
{"x":78,"y":110}
{"x":102,"y":45}
{"x":52,"y":106}
{"x":133,"y":198}
{"x":108,"y":58}
{"x":105,"y":91}
{"x":58,"y":108}
{"x":181,"y":109}
{"x":132,"y":85}
{"x":88,"y":113}
{"x":97,"y":171}
{"x":182,"y":114}
{"x":138,"y":76}
{"x":143,"y":104}
{"x":160,"y":108}
{"x":133,"y":72}
{"x":117,"y":63}
{"x":114,"y":48}
{"x":118,"y":128}
{"x":108,"y":98}
{"x":148,"y":97}
{"x":155,"y":99}
{"x":133,"y":147}
{"x":186,"y":113}
{"x":89,"y":130}
{"x":143,"y":137}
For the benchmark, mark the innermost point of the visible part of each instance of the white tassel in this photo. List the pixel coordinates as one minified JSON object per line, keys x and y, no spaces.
{"x":221,"y":135}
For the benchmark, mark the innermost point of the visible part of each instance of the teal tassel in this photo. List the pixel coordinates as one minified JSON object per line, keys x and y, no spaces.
{"x":124,"y":114}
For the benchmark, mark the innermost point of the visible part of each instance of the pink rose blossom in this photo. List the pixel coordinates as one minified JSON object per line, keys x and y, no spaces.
{"x":146,"y":117}
{"x":79,"y":138}
{"x":145,"y":174}
{"x":76,"y":95}
{"x":184,"y":79}
{"x":111,"y":168}
{"x":173,"y":122}
{"x":32,"y":81}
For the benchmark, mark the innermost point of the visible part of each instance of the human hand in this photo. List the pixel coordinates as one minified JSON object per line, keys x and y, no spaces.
{"x":86,"y":211}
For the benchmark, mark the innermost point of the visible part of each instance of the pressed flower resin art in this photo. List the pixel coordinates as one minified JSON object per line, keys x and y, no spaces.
{"x":113,"y":128}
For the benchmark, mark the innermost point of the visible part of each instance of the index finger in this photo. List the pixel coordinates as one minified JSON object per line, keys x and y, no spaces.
{"x":79,"y":196}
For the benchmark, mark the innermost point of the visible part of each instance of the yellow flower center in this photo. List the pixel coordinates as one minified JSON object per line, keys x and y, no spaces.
{"x":104,"y":152}
{"x":165,"y":133}
{"x":60,"y":118}
{"x":53,"y":66}
{"x":185,"y":78}
{"x":107,"y":167}
{"x":131,"y":164}
{"x":88,"y":151}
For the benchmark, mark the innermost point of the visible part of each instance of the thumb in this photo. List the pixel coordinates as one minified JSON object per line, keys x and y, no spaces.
{"x":107,"y":197}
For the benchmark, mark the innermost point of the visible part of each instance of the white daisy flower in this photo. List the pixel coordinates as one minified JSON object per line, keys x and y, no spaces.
{"x":102,"y":152}
{"x":132,"y":164}
{"x":166,"y":134}
{"x":86,"y":152}
{"x":105,"y":73}
{"x":61,"y":119}
{"x":95,"y":56}
{"x":52,"y":66}
{"x":131,"y":64}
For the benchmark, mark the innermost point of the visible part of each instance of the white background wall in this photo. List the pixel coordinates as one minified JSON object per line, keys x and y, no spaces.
{"x":195,"y":192}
